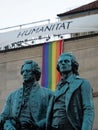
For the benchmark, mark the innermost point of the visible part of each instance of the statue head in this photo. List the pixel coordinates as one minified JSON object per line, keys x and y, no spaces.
{"x":73,"y":64}
{"x":30,"y":69}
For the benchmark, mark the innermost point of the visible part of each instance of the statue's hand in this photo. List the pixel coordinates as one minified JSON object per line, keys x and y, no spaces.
{"x":29,"y":124}
{"x":8,"y":125}
{"x":11,"y":128}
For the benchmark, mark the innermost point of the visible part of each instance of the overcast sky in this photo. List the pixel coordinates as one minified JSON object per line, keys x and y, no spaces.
{"x":17,"y":12}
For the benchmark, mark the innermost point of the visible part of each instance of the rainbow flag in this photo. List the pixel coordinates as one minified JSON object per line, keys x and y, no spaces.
{"x":50,"y":75}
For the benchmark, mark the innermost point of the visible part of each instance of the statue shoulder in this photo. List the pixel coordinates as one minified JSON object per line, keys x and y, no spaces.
{"x":15,"y":92}
{"x":46,"y":91}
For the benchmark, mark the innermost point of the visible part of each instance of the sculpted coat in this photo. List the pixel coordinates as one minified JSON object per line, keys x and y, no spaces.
{"x":79,"y":104}
{"x":37,"y":105}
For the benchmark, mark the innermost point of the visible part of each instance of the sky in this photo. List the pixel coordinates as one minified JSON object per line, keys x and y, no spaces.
{"x":18,"y":12}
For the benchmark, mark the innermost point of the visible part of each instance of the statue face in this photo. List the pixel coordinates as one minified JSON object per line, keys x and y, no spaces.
{"x":27,"y":72}
{"x":65,"y":64}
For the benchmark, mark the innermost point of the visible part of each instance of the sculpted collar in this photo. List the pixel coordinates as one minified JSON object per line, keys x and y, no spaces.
{"x":68,"y":80}
{"x":29,"y":85}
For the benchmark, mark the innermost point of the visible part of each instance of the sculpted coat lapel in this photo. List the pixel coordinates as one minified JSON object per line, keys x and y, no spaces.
{"x":71,"y":87}
{"x":17,"y":102}
{"x":33,"y":102}
{"x":62,"y":90}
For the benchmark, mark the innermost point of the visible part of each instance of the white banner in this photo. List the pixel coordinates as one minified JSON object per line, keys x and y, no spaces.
{"x":77,"y":25}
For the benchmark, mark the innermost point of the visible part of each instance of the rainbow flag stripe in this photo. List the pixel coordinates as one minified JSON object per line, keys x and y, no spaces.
{"x":50,"y":75}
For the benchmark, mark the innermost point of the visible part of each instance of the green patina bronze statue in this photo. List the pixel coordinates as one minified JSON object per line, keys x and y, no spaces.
{"x":71,"y":107}
{"x":25,"y":108}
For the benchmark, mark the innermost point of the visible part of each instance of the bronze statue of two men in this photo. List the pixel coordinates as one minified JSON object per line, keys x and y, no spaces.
{"x":33,"y":107}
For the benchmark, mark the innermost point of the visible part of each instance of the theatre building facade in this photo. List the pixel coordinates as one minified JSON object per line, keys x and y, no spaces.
{"x":83,"y":46}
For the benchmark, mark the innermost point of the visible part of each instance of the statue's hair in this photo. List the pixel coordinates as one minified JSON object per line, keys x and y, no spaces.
{"x":35,"y":68}
{"x":75,"y":64}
